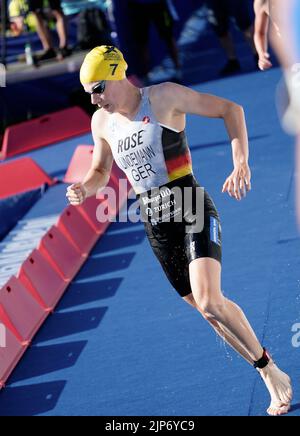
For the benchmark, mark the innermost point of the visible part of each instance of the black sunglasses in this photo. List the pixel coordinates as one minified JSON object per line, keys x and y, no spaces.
{"x":99,"y":88}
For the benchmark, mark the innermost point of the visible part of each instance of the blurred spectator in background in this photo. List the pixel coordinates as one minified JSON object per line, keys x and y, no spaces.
{"x":93,"y":29}
{"x":20,"y":18}
{"x":4,"y":14}
{"x":277,"y":21}
{"x":72,"y":7}
{"x":92,"y":24}
{"x":220,"y":14}
{"x":261,"y":34}
{"x":37,"y":7}
{"x":161,"y":13}
{"x":283,"y":19}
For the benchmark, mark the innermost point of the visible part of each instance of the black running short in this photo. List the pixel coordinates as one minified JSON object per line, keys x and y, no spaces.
{"x":182,"y":224}
{"x":223,"y":10}
{"x":39,"y":5}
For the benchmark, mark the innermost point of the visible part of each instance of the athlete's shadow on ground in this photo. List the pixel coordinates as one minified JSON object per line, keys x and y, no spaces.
{"x":113,"y":241}
{"x":98,"y":266}
{"x":65,"y":324}
{"x":85,"y":292}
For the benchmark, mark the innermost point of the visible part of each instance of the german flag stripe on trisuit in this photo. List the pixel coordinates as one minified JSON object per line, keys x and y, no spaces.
{"x":177,"y":154}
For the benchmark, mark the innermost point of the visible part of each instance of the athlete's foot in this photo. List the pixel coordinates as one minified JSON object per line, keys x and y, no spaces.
{"x":280,"y":388}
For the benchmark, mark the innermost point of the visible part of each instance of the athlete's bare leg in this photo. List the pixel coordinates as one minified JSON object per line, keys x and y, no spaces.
{"x":61,"y":27}
{"x":230,"y":322}
{"x":230,"y":340}
{"x":43,"y":31}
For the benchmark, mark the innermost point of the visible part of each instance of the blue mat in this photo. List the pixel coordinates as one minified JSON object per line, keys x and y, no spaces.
{"x":25,"y":236}
{"x":13,"y":208}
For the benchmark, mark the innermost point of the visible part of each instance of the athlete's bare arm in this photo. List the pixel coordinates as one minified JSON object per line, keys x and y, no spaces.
{"x":179,"y":100}
{"x":99,"y":173}
{"x":262,"y":22}
{"x":262,"y":5}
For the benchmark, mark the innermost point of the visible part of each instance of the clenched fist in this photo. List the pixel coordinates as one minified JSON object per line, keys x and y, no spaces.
{"x":76,"y":194}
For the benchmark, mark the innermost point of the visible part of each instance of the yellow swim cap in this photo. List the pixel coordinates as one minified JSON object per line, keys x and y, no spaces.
{"x":103,"y":63}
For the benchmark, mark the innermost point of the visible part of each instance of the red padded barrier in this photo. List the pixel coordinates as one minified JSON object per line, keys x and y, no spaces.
{"x":61,"y":253}
{"x":78,"y":168}
{"x":45,"y":130}
{"x":42,"y":280}
{"x":20,"y":176}
{"x":89,"y":210}
{"x":9,"y":356}
{"x":46,"y":273}
{"x":108,"y":205}
{"x":77,"y":229}
{"x":20,"y":311}
{"x":80,"y":164}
